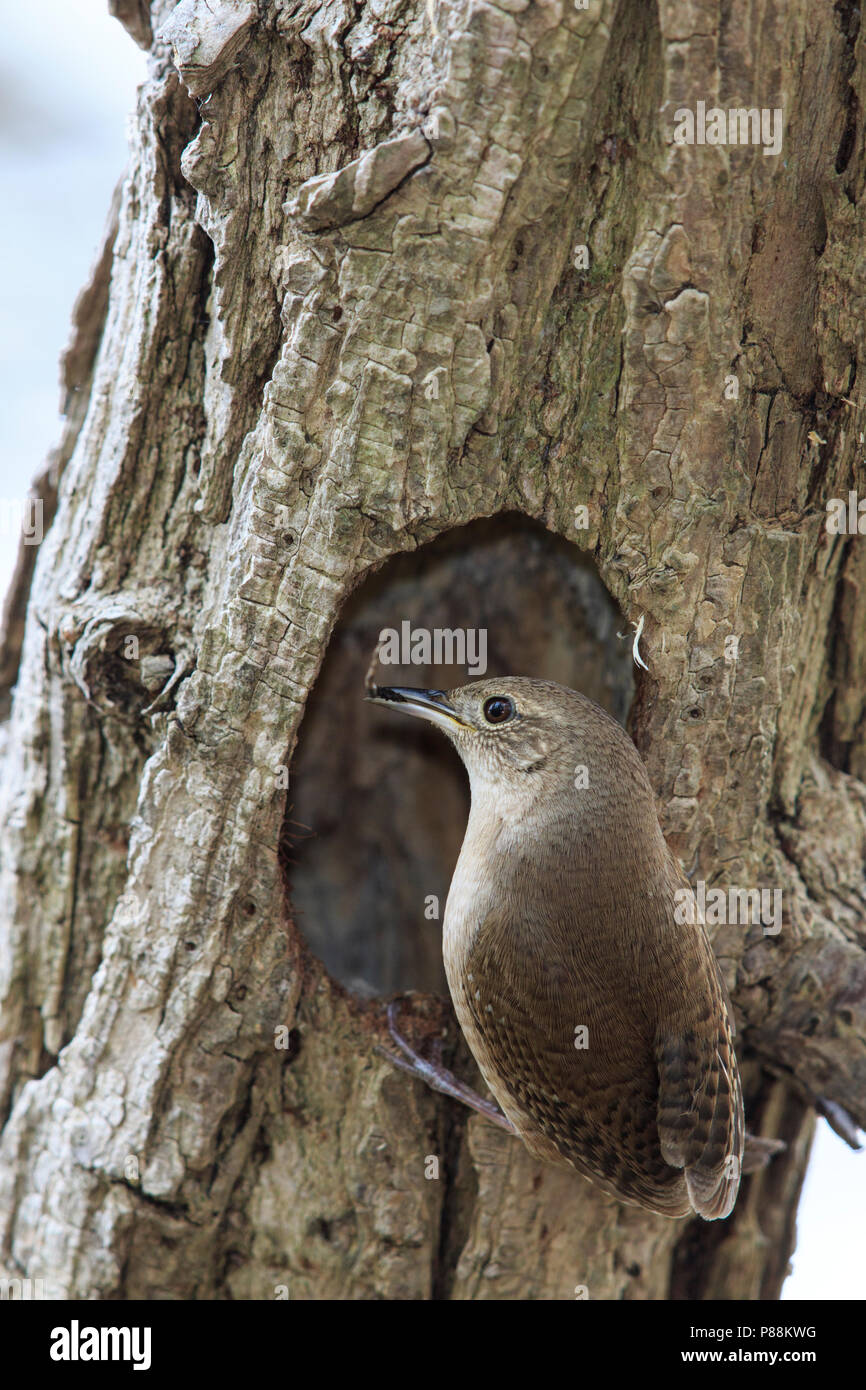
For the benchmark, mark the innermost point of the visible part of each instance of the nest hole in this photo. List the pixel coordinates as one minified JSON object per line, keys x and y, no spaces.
{"x":378,"y":803}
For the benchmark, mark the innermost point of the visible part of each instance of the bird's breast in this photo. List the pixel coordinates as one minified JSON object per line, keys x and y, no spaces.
{"x":468,"y":900}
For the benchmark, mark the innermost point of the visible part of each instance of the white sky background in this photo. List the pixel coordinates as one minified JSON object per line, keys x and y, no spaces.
{"x":68,"y":74}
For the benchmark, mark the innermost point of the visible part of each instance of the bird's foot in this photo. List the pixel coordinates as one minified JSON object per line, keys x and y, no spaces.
{"x":757,"y":1152}
{"x":439,"y":1077}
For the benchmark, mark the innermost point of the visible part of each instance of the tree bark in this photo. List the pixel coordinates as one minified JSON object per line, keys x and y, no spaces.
{"x":343,"y":312}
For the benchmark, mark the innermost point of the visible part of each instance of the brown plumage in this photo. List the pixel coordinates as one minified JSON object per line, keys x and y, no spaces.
{"x":560,"y":918}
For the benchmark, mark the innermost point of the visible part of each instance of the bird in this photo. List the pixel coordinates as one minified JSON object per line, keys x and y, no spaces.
{"x":599,"y":1020}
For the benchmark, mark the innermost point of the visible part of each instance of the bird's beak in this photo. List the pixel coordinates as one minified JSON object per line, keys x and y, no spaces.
{"x":423,"y":704}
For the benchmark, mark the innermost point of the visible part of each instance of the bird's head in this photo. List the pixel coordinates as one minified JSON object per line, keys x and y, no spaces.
{"x":522,"y":734}
{"x":549,"y":762}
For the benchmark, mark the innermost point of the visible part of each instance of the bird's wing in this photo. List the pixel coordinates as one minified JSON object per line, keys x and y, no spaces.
{"x":595,"y":1106}
{"x":700,"y":1104}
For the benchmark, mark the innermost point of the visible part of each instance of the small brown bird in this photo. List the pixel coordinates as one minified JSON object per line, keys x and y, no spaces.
{"x":600,"y":1023}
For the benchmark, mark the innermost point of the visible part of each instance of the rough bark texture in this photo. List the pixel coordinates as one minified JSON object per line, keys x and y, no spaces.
{"x":341,"y":316}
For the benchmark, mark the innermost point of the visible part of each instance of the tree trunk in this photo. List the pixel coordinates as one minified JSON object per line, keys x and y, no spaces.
{"x":346,"y":309}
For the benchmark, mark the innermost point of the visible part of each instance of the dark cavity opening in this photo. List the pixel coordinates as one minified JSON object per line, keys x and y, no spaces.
{"x":379,"y":802}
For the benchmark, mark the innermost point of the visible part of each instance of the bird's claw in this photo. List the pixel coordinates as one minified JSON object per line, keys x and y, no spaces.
{"x":438,"y":1077}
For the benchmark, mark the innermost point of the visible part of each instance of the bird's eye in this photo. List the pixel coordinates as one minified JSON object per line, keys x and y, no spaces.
{"x":497,"y":709}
